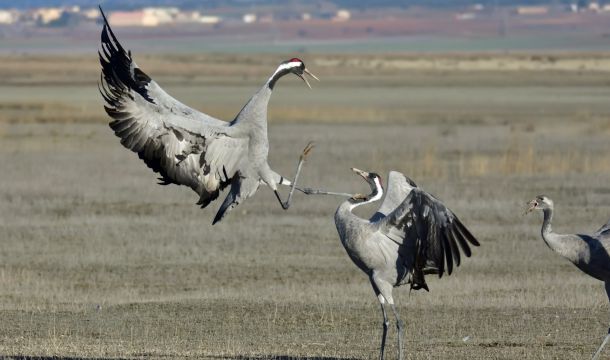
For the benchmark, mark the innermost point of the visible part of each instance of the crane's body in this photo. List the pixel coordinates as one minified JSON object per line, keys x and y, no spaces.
{"x":185,"y":146}
{"x":411,"y":235}
{"x":590,"y":253}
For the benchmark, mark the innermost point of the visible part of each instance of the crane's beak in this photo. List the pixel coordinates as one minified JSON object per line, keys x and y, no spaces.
{"x":308,"y":73}
{"x":532,"y":205}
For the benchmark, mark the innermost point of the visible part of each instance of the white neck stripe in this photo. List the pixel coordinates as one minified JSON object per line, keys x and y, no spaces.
{"x":282,"y":67}
{"x":374,"y":198}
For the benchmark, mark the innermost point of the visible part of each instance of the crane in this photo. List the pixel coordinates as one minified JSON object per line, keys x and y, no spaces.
{"x":411,"y":235}
{"x":185,"y":146}
{"x":588,"y":252}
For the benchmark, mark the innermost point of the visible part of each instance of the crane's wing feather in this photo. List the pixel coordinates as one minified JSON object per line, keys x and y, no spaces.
{"x":603,"y":232}
{"x":241,"y":189}
{"x":398,"y":188}
{"x":183,"y":145}
{"x":423,"y":223}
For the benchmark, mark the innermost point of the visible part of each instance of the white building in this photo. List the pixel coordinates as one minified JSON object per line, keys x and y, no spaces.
{"x":342,"y":15}
{"x":91,"y":14}
{"x":249,"y":18}
{"x":46,"y":15}
{"x":7,"y":17}
{"x":211,"y":20}
{"x":154,"y":16}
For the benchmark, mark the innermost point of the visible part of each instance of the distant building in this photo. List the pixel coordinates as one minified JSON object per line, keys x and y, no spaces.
{"x":195,"y":17}
{"x":145,"y":17}
{"x":46,"y":15}
{"x":342,"y":15}
{"x":532,"y":10}
{"x":211,"y":20}
{"x":91,"y":14}
{"x":249,"y":18}
{"x":127,"y":18}
{"x":160,"y":15}
{"x":7,"y":17}
{"x":465,"y":16}
{"x":594,"y":6}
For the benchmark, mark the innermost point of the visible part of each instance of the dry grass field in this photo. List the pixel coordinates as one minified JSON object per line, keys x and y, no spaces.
{"x":97,"y":261}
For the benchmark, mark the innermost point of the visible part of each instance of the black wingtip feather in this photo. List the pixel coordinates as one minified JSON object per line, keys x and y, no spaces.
{"x":467,"y":234}
{"x":119,"y":73}
{"x":463,"y":244}
{"x":447,"y":252}
{"x":455,"y":251}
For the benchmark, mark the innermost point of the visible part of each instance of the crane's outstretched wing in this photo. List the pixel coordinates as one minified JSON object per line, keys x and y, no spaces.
{"x":183,"y":145}
{"x":423,"y":224}
{"x":398,"y":188}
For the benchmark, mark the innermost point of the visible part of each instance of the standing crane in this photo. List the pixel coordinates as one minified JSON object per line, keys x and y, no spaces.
{"x":185,"y":146}
{"x":590,"y":253}
{"x":411,"y":235}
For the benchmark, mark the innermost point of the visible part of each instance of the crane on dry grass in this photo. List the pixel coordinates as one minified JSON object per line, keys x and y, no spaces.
{"x":411,"y":235}
{"x":588,"y":252}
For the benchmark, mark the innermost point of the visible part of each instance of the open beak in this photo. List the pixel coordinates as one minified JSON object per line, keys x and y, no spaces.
{"x":365,"y":176}
{"x":308,"y":73}
{"x":531,"y":206}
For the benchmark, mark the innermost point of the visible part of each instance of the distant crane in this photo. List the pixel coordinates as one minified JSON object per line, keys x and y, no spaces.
{"x":185,"y":146}
{"x":411,"y":235}
{"x":588,"y":252}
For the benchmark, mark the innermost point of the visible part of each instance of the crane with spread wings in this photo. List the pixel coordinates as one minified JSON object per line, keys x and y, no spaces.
{"x":185,"y":146}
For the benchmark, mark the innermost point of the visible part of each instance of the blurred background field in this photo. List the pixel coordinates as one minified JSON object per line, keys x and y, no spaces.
{"x":97,"y":261}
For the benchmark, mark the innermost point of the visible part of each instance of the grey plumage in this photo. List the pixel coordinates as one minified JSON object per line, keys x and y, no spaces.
{"x":185,"y":146}
{"x":411,"y":235}
{"x":590,"y":253}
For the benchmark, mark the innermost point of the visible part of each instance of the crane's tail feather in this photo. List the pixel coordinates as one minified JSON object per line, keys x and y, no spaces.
{"x":226,"y":206}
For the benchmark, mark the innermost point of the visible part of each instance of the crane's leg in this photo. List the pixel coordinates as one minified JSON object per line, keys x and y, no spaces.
{"x":400,"y":326}
{"x":386,"y":322}
{"x":607,"y":338}
{"x":306,"y":151}
{"x":385,"y":288}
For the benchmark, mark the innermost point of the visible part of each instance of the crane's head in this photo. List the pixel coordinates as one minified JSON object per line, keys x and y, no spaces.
{"x":541,"y":202}
{"x":295,"y":66}
{"x":374,"y":181}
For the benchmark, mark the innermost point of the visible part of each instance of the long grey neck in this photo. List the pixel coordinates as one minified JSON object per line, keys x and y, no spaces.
{"x":346,"y":222}
{"x":546,"y":223}
{"x":567,"y":246}
{"x":346,"y":208}
{"x":255,"y":110}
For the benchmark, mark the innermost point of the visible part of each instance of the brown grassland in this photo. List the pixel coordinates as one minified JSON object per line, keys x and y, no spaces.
{"x":96,"y":261}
